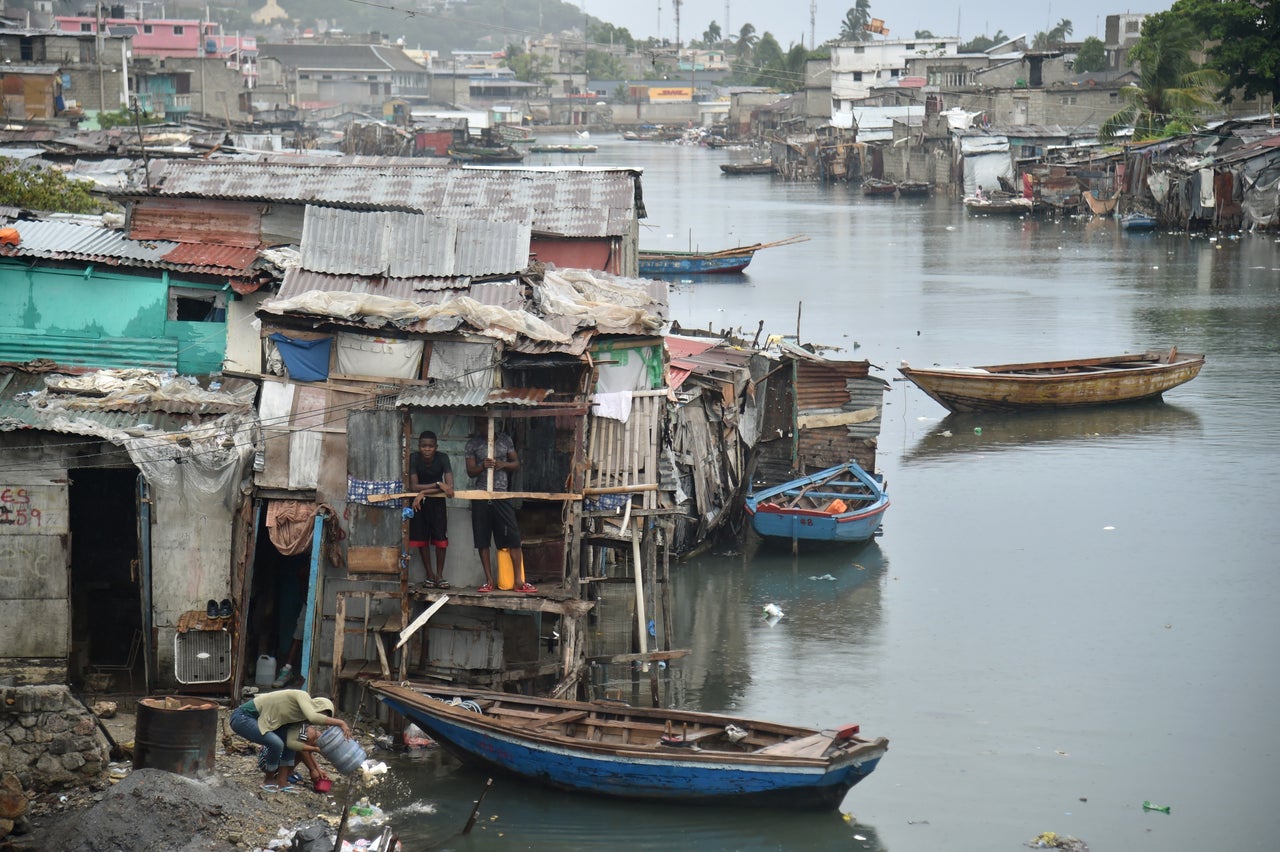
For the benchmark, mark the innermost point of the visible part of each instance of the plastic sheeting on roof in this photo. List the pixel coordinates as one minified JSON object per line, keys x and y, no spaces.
{"x":607,"y":304}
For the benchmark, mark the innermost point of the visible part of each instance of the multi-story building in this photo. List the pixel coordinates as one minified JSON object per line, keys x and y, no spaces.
{"x":857,"y":67}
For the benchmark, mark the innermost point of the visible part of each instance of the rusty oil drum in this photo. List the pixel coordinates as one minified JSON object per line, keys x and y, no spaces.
{"x":176,"y":733}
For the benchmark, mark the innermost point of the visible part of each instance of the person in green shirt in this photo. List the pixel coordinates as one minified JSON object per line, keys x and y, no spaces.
{"x":261,"y":719}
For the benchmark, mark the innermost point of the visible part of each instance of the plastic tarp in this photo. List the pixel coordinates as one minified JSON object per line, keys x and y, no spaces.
{"x":469,"y":364}
{"x":1261,"y":202}
{"x":595,"y":301}
{"x":201,"y":467}
{"x":306,"y":360}
{"x":137,"y":389}
{"x":364,"y":355}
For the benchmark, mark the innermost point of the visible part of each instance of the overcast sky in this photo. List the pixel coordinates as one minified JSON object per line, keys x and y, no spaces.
{"x":788,"y":20}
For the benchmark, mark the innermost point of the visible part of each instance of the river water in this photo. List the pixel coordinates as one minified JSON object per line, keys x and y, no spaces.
{"x":1067,"y":614}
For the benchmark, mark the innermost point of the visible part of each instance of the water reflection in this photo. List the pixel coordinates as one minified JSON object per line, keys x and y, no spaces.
{"x":963,"y":433}
{"x":429,"y":802}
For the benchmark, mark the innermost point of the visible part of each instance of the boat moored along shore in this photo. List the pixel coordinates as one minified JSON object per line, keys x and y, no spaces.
{"x":840,"y":504}
{"x":658,"y":263}
{"x":1058,"y":384}
{"x":654,"y":754}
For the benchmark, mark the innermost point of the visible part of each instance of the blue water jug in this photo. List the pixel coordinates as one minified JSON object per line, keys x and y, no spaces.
{"x":345,"y":755}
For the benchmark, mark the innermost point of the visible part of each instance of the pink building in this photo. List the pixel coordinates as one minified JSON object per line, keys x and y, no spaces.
{"x":165,"y":37}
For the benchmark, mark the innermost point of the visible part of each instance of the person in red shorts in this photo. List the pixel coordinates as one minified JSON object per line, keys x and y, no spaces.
{"x":432,"y":477}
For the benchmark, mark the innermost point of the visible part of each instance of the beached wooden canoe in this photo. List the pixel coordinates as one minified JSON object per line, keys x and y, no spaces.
{"x":1058,"y":384}
{"x":655,"y":754}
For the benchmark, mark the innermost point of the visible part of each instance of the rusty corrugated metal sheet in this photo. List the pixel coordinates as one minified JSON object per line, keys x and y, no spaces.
{"x":224,"y":223}
{"x":453,"y":395}
{"x":410,"y":245}
{"x":15,"y":414}
{"x":822,"y":385}
{"x":568,"y":202}
{"x":211,"y":257}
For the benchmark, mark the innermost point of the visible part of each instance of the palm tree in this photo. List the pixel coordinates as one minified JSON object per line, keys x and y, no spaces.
{"x":1171,"y":87}
{"x":1053,"y":37}
{"x":712,"y":36}
{"x":854,"y":25}
{"x":746,"y":43}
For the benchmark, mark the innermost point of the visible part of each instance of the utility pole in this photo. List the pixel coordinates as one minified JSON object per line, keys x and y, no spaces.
{"x":102,"y":83}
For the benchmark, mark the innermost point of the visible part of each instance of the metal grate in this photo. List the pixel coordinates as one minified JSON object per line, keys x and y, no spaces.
{"x":202,"y":656}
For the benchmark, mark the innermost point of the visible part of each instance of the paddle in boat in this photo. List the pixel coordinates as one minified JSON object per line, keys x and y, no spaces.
{"x":655,"y":754}
{"x":657,"y":263}
{"x":842,"y":503}
{"x":1058,"y":384}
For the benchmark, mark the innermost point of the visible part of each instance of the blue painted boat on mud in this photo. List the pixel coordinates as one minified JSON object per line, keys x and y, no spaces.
{"x":653,"y":754}
{"x":842,"y":504}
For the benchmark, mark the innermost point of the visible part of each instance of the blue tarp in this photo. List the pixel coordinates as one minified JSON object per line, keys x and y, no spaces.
{"x":306,"y":360}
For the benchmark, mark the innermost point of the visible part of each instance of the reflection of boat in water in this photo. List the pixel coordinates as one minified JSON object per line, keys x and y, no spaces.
{"x":957,"y":434}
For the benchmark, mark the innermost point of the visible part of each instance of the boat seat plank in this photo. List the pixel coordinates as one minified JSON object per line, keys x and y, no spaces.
{"x":811,"y":746}
{"x":558,"y":719}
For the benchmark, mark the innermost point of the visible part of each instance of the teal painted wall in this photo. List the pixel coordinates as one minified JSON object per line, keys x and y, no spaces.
{"x":100,"y":319}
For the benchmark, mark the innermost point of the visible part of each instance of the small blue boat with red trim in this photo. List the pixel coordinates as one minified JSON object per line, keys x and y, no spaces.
{"x":842,"y":504}
{"x":655,"y":754}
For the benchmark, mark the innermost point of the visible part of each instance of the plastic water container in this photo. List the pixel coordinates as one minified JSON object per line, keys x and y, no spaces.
{"x":506,"y":570}
{"x":345,"y":755}
{"x":265,"y":672}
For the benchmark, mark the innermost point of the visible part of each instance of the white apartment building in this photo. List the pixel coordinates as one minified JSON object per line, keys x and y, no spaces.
{"x":857,"y":66}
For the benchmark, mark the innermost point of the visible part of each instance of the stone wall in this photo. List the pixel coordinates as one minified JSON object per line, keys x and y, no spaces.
{"x":48,"y":739}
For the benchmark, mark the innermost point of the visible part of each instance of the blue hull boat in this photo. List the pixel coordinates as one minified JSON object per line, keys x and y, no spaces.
{"x":842,"y":503}
{"x":1138,"y":222}
{"x":653,"y":754}
{"x":658,"y":263}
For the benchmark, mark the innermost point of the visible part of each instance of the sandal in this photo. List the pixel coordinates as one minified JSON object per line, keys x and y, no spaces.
{"x":428,"y":583}
{"x":289,"y":788}
{"x":443,"y":584}
{"x":527,"y":588}
{"x":270,"y":788}
{"x":486,"y":588}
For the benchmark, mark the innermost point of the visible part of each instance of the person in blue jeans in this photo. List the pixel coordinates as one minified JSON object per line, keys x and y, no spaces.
{"x":261,"y":720}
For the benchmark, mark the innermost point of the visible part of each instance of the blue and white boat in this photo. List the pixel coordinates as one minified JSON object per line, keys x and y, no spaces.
{"x":658,"y":263}
{"x":1138,"y":222}
{"x":842,"y":503}
{"x":654,"y":754}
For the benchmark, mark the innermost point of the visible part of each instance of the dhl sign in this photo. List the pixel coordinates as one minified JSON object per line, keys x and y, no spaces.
{"x":670,"y":94}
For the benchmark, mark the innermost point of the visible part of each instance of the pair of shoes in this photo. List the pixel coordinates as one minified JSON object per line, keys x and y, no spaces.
{"x":270,"y":788}
{"x":527,"y":588}
{"x":486,"y":588}
{"x":428,"y":583}
{"x":289,"y":788}
{"x":443,"y":584}
{"x":283,"y":677}
{"x":211,"y":609}
{"x":224,"y":608}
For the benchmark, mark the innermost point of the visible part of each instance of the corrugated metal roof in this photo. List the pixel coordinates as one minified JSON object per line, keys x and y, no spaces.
{"x":298,"y":281}
{"x":64,"y":239}
{"x":568,"y":202}
{"x":455,"y":395}
{"x":410,"y":245}
{"x":15,"y":414}
{"x":235,"y":258}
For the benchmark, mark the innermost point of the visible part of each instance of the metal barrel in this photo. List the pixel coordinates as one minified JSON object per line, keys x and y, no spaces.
{"x":176,"y":733}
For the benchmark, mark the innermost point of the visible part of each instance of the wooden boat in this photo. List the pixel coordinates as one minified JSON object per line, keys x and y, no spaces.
{"x":659,"y":263}
{"x":1058,"y":384}
{"x":997,"y":205}
{"x":485,"y":154}
{"x":564,"y":149}
{"x":658,"y":754}
{"x":1100,"y":206}
{"x":1138,"y":222}
{"x":914,"y":189}
{"x":842,"y":503}
{"x":878,"y":187}
{"x":765,"y":168}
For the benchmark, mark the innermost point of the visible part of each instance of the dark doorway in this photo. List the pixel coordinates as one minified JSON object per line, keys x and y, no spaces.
{"x":106,"y":601}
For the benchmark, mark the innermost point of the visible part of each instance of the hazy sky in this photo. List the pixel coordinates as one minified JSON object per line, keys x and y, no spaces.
{"x":788,"y":20}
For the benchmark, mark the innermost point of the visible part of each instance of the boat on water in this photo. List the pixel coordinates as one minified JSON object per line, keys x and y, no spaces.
{"x":841,"y":504}
{"x":998,"y":205}
{"x":564,"y":149}
{"x":485,"y":154}
{"x":654,"y":754}
{"x":1058,"y":384}
{"x":879,"y":188}
{"x":1100,"y":206}
{"x":764,"y":168}
{"x":1138,"y":222}
{"x":914,"y":189}
{"x":658,"y":263}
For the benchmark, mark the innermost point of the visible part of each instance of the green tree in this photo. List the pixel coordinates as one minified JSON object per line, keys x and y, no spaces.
{"x":602,"y":65}
{"x":1092,"y":56}
{"x":924,"y":34}
{"x":604,"y":33}
{"x":1052,"y":38}
{"x":1172,"y":90}
{"x":854,"y":25}
{"x":527,"y":67}
{"x":1247,"y":49}
{"x":983,"y":43}
{"x":712,"y":36}
{"x":37,"y":188}
{"x":745,"y":44}
{"x":768,"y":59}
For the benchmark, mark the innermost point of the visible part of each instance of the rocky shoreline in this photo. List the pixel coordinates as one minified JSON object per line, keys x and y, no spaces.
{"x":151,"y":809}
